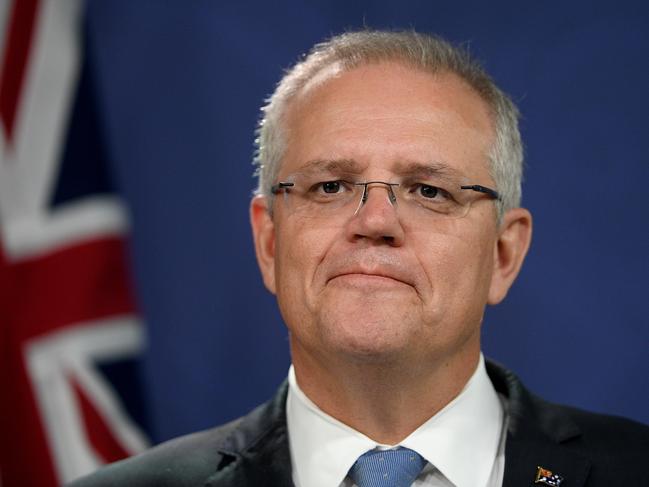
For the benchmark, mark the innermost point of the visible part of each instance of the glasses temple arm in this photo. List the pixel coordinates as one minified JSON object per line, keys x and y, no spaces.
{"x":482,"y":189}
{"x":279,"y":186}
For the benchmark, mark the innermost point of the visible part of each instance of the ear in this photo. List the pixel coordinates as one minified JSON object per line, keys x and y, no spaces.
{"x":509,"y":252}
{"x":263,"y":231}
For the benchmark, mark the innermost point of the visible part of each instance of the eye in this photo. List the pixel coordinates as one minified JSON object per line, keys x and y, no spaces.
{"x":428,"y":191}
{"x":336,"y":190}
{"x":333,"y":188}
{"x":429,"y":194}
{"x":330,"y":186}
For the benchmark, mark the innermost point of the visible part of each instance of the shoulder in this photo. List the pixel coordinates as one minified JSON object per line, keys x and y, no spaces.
{"x":561,"y":422}
{"x":187,"y":460}
{"x":608,"y":450}
{"x":604,"y":436}
{"x":615,"y":448}
{"x":204,"y":457}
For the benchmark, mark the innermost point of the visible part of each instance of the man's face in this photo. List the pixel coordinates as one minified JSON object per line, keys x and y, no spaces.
{"x":373,"y":285}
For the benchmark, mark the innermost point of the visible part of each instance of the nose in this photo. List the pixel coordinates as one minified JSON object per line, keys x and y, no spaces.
{"x":376,"y":218}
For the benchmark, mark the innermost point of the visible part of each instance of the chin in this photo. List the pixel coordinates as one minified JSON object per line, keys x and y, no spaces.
{"x":373,"y":355}
{"x":367,"y":339}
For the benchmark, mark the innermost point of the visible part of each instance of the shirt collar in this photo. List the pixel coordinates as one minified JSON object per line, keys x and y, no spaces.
{"x":465,"y":432}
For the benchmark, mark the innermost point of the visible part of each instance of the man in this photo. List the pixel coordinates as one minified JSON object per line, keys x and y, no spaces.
{"x":387,"y":217}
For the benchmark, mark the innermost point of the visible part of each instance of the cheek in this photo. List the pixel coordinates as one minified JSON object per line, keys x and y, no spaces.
{"x":299,"y":249}
{"x":458,"y":268}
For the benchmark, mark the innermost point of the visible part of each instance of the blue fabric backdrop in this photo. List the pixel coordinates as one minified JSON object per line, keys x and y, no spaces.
{"x":180,"y":84}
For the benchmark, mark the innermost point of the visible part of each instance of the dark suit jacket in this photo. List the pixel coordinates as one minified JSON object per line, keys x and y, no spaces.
{"x":585,"y":449}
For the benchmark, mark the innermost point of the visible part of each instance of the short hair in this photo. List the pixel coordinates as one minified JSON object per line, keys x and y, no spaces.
{"x":420,"y":51}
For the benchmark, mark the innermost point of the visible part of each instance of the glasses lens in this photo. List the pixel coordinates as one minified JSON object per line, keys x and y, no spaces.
{"x":433,"y":198}
{"x":319,"y":195}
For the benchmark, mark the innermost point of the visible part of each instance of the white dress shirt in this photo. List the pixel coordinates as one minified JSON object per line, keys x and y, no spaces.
{"x":464,"y":443}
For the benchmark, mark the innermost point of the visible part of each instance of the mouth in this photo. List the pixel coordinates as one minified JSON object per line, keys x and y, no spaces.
{"x":365,"y":279}
{"x":364,"y":269}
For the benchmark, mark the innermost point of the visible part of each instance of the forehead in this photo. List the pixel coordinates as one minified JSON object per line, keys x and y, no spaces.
{"x":387,"y":114}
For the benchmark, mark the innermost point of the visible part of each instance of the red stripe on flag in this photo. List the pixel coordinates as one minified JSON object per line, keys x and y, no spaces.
{"x":4,"y":294}
{"x":99,"y":434}
{"x":79,"y":283}
{"x":17,"y":46}
{"x":25,"y":458}
{"x":82,"y":282}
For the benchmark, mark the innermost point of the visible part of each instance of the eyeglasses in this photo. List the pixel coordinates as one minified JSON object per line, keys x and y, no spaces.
{"x":320,"y":196}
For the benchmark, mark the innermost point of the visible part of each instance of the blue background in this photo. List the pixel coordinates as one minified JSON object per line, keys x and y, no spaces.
{"x":179,"y":85}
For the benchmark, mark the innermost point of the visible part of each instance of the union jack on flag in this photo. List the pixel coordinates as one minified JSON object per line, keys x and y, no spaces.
{"x":69,"y":332}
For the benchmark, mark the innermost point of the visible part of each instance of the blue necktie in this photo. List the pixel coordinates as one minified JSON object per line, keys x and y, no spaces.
{"x":387,"y":468}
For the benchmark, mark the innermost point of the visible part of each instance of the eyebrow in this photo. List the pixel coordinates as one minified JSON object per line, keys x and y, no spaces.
{"x":431,"y":169}
{"x":408,"y":168}
{"x":350,"y":166}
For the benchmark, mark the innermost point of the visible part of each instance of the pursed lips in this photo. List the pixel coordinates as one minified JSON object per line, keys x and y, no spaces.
{"x":382,"y":273}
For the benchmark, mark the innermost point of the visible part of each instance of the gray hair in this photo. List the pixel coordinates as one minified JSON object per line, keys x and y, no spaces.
{"x":420,"y":51}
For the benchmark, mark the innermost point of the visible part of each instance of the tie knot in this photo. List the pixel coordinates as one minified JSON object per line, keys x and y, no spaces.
{"x":387,"y":468}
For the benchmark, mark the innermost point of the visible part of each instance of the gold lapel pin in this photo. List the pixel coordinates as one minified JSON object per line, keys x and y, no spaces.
{"x":546,"y":477}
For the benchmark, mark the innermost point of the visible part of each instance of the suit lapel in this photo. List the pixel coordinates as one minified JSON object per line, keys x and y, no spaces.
{"x":524,"y":456}
{"x":269,"y":465}
{"x":538,"y":435}
{"x":256,"y":453}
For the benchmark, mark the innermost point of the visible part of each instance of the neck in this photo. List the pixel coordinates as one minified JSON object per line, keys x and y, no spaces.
{"x":384,"y":401}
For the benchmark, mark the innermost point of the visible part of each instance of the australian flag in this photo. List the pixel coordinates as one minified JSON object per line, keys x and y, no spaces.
{"x":546,"y":477}
{"x":70,"y":336}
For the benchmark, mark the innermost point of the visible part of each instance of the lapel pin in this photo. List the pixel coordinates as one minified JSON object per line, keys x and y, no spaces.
{"x":546,"y":477}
